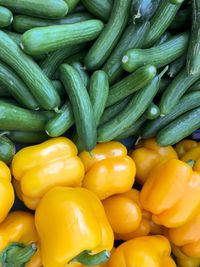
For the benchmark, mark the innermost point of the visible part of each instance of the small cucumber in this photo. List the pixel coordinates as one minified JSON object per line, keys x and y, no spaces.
{"x":130,"y":84}
{"x":3,"y":91}
{"x":22,"y":23}
{"x":179,"y":128}
{"x":99,"y":8}
{"x":37,"y":82}
{"x":82,"y":72}
{"x":98,"y":92}
{"x":186,"y":103}
{"x":176,"y":66}
{"x":81,"y":105}
{"x":42,"y":40}
{"x":176,"y":90}
{"x":72,"y":4}
{"x":60,"y":89}
{"x":6,"y":17}
{"x":7,"y":149}
{"x":132,"y":37}
{"x":181,"y":20}
{"x":193,"y":55}
{"x":27,"y":137}
{"x":152,"y":112}
{"x":52,"y":9}
{"x":16,"y":87}
{"x":158,"y":56}
{"x":103,"y":46}
{"x":60,"y":122}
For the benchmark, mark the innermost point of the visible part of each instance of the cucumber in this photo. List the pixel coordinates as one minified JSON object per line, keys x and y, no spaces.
{"x":158,"y":56}
{"x":81,"y":105}
{"x":6,"y":17}
{"x":26,"y":137}
{"x":195,"y":87}
{"x":113,"y":110}
{"x":179,"y":128}
{"x":72,"y":4}
{"x":164,"y":37}
{"x":193,"y":54}
{"x":13,"y":117}
{"x":52,"y":9}
{"x":130,"y":84}
{"x":98,"y":92}
{"x":60,"y":122}
{"x":60,"y":89}
{"x":7,"y":150}
{"x":103,"y":46}
{"x":132,"y":37}
{"x":176,"y":90}
{"x":42,"y":40}
{"x":152,"y":112}
{"x":99,"y":8}
{"x":161,"y":20}
{"x":176,"y":66}
{"x":22,"y":23}
{"x":186,"y":103}
{"x":181,"y":20}
{"x":16,"y":87}
{"x":3,"y":91}
{"x":82,"y":72}
{"x":37,"y":82}
{"x":163,"y":85}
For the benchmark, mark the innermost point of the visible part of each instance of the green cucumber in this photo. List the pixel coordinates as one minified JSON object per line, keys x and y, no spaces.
{"x":42,"y":40}
{"x":60,"y":89}
{"x":99,"y":8}
{"x":176,"y":66}
{"x":136,"y":107}
{"x":52,"y":9}
{"x":113,"y":110}
{"x":186,"y":103}
{"x":6,"y":17}
{"x":163,"y":85}
{"x":195,"y":87}
{"x":72,"y":4}
{"x":164,"y":37}
{"x":7,"y":149}
{"x":13,"y":117}
{"x":158,"y":56}
{"x":193,"y":54}
{"x":152,"y":112}
{"x":26,"y":137}
{"x":81,"y":105}
{"x":181,"y":20}
{"x":24,"y":23}
{"x":82,"y":72}
{"x":98,"y":92}
{"x":60,"y":122}
{"x":37,"y":82}
{"x":161,"y":20}
{"x":179,"y":128}
{"x":132,"y":37}
{"x":16,"y":87}
{"x":105,"y":43}
{"x":3,"y":91}
{"x":176,"y":90}
{"x":130,"y":84}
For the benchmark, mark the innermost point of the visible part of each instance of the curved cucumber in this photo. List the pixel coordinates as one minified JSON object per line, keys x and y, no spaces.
{"x":82,"y":72}
{"x":7,"y":149}
{"x":158,"y":56}
{"x":176,"y":66}
{"x":152,"y":112}
{"x":52,"y":9}
{"x":103,"y":46}
{"x":6,"y":17}
{"x":37,"y":82}
{"x":42,"y":40}
{"x":27,"y":137}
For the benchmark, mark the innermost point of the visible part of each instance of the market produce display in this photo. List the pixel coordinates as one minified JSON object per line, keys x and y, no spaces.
{"x":99,"y":139}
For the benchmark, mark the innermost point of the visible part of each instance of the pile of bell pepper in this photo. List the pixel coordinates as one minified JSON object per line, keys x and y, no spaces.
{"x":107,"y":208}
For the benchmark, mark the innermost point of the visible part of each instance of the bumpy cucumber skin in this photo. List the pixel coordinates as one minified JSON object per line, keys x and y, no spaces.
{"x":6,"y":17}
{"x":7,"y":149}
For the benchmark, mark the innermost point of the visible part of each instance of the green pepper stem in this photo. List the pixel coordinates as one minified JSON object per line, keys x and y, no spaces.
{"x":90,"y":260}
{"x":16,"y":254}
{"x":91,"y":153}
{"x":191,"y":162}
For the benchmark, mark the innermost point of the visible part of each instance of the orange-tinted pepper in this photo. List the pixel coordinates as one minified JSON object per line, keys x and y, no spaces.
{"x":148,"y":156}
{"x":184,"y":146}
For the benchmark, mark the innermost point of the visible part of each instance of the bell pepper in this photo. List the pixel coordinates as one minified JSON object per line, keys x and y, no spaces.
{"x":164,"y":193}
{"x":109,"y":170}
{"x":146,"y":251}
{"x":72,"y":227}
{"x":184,"y":146}
{"x":7,"y":195}
{"x":148,"y":155}
{"x":41,"y":167}
{"x":18,"y":238}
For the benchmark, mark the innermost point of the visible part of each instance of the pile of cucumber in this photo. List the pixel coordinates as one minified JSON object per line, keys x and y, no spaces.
{"x":99,"y":70}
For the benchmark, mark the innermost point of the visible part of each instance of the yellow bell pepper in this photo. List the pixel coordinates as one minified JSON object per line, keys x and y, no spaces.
{"x":184,"y":261}
{"x":7,"y":195}
{"x":146,"y":251}
{"x":184,"y":146}
{"x":41,"y":167}
{"x":171,"y":193}
{"x":148,"y":155}
{"x":192,"y":154}
{"x":72,"y":226}
{"x":17,"y":241}
{"x":109,"y":171}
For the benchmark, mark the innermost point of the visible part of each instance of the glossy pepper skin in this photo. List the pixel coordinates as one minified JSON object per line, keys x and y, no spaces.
{"x":109,"y":170}
{"x":164,"y":193}
{"x":146,"y":251}
{"x":41,"y":167}
{"x":6,"y":191}
{"x":147,"y":155}
{"x":184,"y":146}
{"x":183,"y":260}
{"x":72,"y":222}
{"x":19,"y":229}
